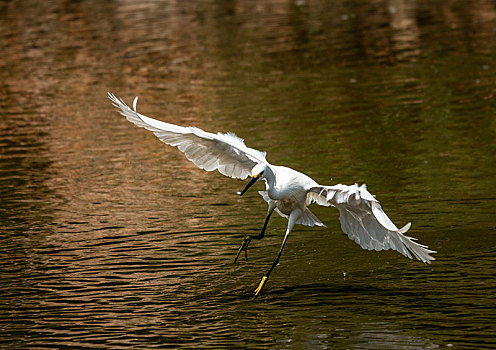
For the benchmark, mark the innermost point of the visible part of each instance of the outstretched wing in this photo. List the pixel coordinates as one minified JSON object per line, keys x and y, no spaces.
{"x":226,"y":153}
{"x":364,"y":221}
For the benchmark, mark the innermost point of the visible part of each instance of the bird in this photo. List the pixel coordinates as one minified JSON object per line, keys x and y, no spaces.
{"x":287,"y":191}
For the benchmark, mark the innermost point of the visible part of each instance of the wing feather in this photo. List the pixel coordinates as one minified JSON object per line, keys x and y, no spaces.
{"x":226,"y":153}
{"x":364,"y":221}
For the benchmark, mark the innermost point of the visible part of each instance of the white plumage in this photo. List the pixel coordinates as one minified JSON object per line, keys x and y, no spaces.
{"x":288,"y":191}
{"x":226,"y":153}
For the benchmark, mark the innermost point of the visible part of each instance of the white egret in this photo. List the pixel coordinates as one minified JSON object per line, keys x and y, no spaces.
{"x":288,"y":191}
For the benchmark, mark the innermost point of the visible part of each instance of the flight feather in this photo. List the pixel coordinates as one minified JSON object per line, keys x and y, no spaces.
{"x":226,"y":153}
{"x":364,"y":221}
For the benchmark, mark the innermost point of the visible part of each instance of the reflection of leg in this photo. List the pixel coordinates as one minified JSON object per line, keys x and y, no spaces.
{"x":292,"y":220}
{"x":247,"y":239}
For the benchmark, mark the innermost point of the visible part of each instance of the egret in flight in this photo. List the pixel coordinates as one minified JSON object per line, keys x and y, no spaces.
{"x":288,"y":192}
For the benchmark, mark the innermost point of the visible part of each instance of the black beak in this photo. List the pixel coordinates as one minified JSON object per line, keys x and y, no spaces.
{"x":249,"y":184}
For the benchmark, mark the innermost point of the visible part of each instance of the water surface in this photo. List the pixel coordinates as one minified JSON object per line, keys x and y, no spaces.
{"x":109,"y":239}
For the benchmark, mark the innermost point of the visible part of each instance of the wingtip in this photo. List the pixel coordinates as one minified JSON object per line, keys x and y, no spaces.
{"x":135,"y":102}
{"x":405,"y":228}
{"x":115,"y":101}
{"x":429,"y":258}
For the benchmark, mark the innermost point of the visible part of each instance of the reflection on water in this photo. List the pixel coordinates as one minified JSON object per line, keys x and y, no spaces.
{"x":110,"y":239}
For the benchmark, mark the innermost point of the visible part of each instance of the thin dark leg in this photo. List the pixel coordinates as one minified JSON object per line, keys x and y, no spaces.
{"x":274,"y":264}
{"x":292,"y":220}
{"x":247,"y":239}
{"x":261,"y":234}
{"x":276,"y":261}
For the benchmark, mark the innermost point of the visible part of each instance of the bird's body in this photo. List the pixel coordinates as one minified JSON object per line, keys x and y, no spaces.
{"x":288,"y":191}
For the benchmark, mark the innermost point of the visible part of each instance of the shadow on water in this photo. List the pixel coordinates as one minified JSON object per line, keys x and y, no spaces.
{"x":109,"y":239}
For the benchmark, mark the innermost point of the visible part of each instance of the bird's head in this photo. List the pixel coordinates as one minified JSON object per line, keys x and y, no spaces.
{"x":257,"y":173}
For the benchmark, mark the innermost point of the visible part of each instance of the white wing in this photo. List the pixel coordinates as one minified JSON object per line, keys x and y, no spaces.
{"x":364,"y":221}
{"x":225,"y":152}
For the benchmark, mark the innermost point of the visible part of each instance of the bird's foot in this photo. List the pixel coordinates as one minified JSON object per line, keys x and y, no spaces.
{"x":243,"y":247}
{"x":260,"y":286}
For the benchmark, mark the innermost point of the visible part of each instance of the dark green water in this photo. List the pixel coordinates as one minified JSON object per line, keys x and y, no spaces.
{"x":109,"y":239}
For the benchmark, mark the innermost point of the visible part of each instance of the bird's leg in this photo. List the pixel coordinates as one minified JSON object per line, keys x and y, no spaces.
{"x":243,"y":247}
{"x":247,"y":239}
{"x":292,"y":220}
{"x":274,"y":264}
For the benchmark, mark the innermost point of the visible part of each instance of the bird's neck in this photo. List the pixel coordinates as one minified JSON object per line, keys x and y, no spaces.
{"x":271,"y":181}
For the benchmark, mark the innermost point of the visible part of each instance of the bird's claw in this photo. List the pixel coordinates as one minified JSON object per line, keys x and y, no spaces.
{"x":243,"y":247}
{"x":260,"y":286}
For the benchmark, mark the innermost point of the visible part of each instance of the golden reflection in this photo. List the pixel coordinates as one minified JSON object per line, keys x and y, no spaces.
{"x":186,"y":61}
{"x":99,"y":216}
